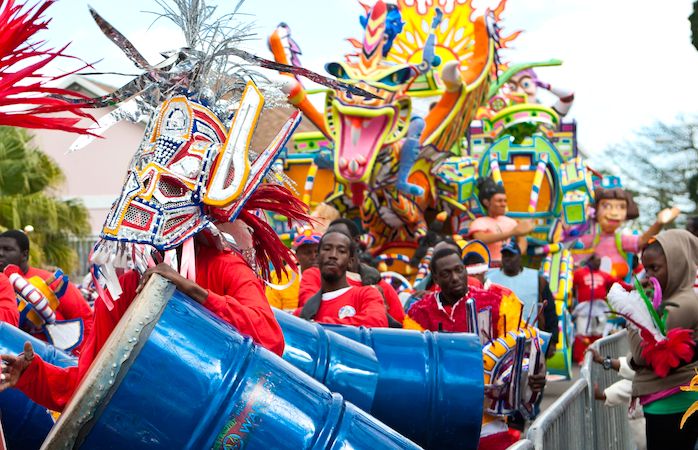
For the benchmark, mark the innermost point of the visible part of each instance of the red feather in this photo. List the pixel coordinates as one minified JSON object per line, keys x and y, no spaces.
{"x":669,"y":353}
{"x":268,"y":246}
{"x":22,"y":86}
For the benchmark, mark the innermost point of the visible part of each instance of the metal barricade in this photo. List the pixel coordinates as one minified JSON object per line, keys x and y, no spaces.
{"x":578,"y":421}
{"x":523,"y":444}
{"x":612,"y":430}
{"x":567,"y":423}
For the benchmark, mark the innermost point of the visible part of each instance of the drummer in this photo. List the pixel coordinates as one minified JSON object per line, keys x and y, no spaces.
{"x":211,"y":272}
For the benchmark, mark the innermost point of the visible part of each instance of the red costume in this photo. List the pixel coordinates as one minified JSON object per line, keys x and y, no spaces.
{"x":430,"y":314}
{"x":72,"y":306}
{"x":355,"y":305}
{"x":235,"y":295}
{"x":8,"y":302}
{"x":312,"y":280}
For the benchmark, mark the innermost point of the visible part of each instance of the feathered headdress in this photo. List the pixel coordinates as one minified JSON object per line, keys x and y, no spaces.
{"x":26,"y":99}
{"x":194,"y":167}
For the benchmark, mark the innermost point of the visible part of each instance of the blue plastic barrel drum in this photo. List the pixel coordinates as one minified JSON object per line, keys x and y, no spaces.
{"x":173,"y":376}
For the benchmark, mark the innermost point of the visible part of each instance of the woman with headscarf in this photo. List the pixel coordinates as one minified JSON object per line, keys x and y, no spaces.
{"x":672,"y":259}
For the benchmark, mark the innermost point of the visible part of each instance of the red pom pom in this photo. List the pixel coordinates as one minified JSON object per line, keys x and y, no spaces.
{"x":668,"y":354}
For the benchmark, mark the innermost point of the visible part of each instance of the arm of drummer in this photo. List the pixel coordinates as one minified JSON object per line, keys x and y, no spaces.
{"x":52,"y":386}
{"x":44,"y":383}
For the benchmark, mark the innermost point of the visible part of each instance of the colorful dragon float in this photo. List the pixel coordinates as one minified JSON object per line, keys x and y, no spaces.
{"x":450,"y":113}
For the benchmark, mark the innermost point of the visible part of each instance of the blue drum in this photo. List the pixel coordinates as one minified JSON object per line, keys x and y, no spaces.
{"x":431,"y":386}
{"x":343,"y":365}
{"x":172,"y":376}
{"x":25,"y":423}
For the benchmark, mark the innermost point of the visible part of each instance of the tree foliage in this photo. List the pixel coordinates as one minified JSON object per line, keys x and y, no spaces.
{"x":660,"y":164}
{"x":28,"y":196}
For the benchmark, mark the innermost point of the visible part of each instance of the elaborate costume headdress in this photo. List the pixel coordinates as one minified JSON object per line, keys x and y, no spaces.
{"x":194,"y":167}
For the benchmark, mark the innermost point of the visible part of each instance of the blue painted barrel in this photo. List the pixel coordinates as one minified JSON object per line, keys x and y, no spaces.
{"x":431,"y":386}
{"x":174,"y":376}
{"x":25,"y":423}
{"x":342,"y":364}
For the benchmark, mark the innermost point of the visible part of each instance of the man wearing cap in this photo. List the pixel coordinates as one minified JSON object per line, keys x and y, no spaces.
{"x":283,"y":291}
{"x":530,"y":287}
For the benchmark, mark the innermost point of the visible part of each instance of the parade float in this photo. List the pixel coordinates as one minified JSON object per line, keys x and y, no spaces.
{"x":378,"y":158}
{"x":394,"y":164}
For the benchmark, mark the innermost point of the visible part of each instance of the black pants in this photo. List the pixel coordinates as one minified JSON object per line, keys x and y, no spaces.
{"x":663,"y":432}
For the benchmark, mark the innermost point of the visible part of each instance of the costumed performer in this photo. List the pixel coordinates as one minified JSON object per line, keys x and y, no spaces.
{"x":14,"y":251}
{"x":446,"y":311}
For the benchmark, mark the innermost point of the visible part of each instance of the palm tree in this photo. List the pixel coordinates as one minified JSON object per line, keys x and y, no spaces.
{"x":28,"y":196}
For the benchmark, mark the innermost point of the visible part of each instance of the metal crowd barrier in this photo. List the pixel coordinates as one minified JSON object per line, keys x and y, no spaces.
{"x":576,"y":420}
{"x":611,"y":428}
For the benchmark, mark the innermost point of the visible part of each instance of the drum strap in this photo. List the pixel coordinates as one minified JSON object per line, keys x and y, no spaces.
{"x":312,"y":306}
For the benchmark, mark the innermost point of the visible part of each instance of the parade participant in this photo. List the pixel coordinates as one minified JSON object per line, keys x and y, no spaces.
{"x":14,"y":250}
{"x":614,"y":206}
{"x":358,"y":274}
{"x":672,"y":260}
{"x":530,"y":287}
{"x":495,"y":228}
{"x":444,"y":309}
{"x":591,"y":286}
{"x":193,"y":254}
{"x":337,"y":301}
{"x":282,"y":292}
{"x":8,"y":302}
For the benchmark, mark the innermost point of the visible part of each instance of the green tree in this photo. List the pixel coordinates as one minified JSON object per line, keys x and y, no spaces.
{"x":28,"y":196}
{"x":659,"y":165}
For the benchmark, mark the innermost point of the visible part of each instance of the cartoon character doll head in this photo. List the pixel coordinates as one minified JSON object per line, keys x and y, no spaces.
{"x":613,"y":207}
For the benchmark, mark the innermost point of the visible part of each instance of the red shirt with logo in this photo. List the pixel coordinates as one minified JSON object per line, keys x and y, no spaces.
{"x":353,"y":305}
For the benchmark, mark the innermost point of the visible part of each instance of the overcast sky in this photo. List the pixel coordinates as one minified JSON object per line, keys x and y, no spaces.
{"x":630,"y":62}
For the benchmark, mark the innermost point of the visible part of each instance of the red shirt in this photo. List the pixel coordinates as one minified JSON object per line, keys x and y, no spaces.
{"x":355,"y":305}
{"x":312,"y":281}
{"x":235,"y":295}
{"x":72,"y":306}
{"x":592,"y":285}
{"x":8,"y":302}
{"x":432,"y":315}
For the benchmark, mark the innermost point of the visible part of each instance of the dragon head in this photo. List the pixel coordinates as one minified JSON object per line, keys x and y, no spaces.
{"x":361,"y":127}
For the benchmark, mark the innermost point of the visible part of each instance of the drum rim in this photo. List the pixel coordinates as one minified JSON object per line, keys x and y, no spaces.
{"x":111,"y":365}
